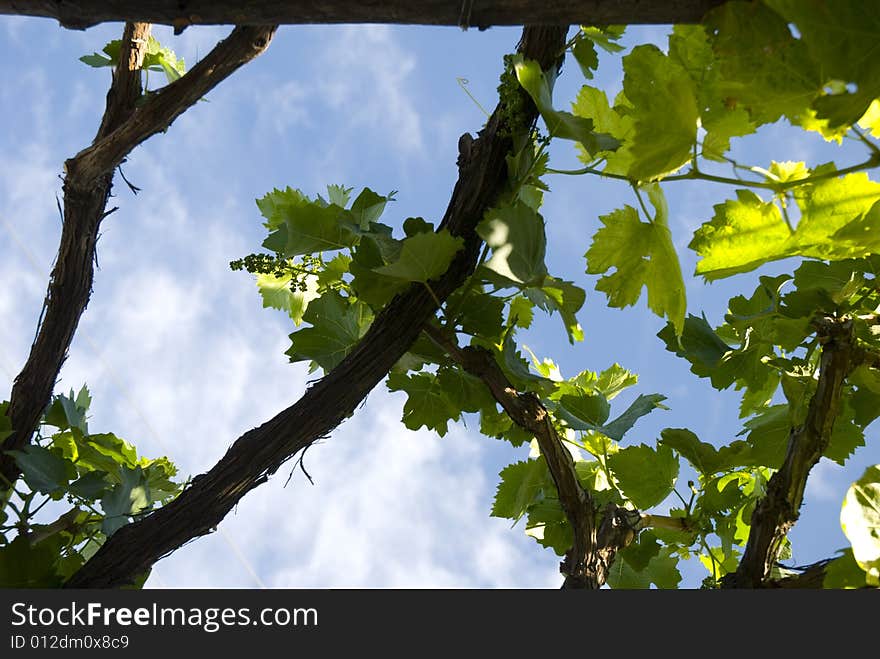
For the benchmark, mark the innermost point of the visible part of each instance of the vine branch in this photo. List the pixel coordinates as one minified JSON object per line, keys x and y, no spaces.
{"x":87,"y":185}
{"x":595,"y":545}
{"x":70,"y":283}
{"x":260,"y":452}
{"x":778,"y":510}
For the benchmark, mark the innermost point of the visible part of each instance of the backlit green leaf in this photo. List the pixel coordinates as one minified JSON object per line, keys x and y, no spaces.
{"x":764,"y":69}
{"x":743,"y":234}
{"x":337,"y":327}
{"x":521,"y":483}
{"x":648,"y":261}
{"x":645,"y":475}
{"x":423,"y":257}
{"x":665,"y":112}
{"x":277,"y":294}
{"x":559,"y":123}
{"x":860,"y":520}
{"x":516,"y":236}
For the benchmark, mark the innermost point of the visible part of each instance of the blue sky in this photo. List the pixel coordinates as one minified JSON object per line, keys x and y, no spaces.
{"x":181,"y":358}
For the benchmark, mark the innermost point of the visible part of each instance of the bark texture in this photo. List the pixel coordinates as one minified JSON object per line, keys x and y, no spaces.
{"x":596,"y":539}
{"x":70,"y":284}
{"x":87,"y":184}
{"x":257,"y":454}
{"x":777,"y":512}
{"x":80,"y":14}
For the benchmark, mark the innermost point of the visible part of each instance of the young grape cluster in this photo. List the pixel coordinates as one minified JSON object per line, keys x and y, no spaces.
{"x":280,"y":266}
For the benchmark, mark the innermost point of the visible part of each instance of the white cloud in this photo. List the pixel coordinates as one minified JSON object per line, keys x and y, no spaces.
{"x":824,"y":482}
{"x":372,"y":87}
{"x":351,"y":84}
{"x":181,"y":360}
{"x":389,"y":508}
{"x":287,"y":106}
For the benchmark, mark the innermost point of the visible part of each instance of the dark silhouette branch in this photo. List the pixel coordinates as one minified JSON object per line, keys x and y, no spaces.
{"x":80,"y":14}
{"x":257,"y":454}
{"x":87,"y":184}
{"x":809,"y":576}
{"x":162,"y":107}
{"x":779,"y":509}
{"x":70,"y":284}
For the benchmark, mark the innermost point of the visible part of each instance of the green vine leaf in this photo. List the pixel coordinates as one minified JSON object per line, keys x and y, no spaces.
{"x":841,"y":38}
{"x":26,"y":566}
{"x":564,"y":297}
{"x":664,"y":111}
{"x":516,"y":235}
{"x":481,"y":315}
{"x":69,"y":411}
{"x":302,"y":226}
{"x":644,"y":404}
{"x":559,"y":123}
{"x":768,"y":434}
{"x":844,"y":572}
{"x":337,"y":326}
{"x":748,"y":232}
{"x":520,"y":312}
{"x":428,"y":403}
{"x":690,"y":47}
{"x":44,"y":470}
{"x":521,"y":484}
{"x":277,"y":294}
{"x":368,"y":207}
{"x":764,"y":69}
{"x":660,"y":570}
{"x":128,"y":497}
{"x":704,"y":457}
{"x":91,"y":486}
{"x":423,"y":256}
{"x":592,"y":104}
{"x":743,"y":234}
{"x":585,"y":55}
{"x":156,"y":58}
{"x":645,"y":475}
{"x":649,"y":261}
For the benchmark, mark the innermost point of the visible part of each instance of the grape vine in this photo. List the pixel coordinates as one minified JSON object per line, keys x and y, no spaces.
{"x":803,"y":348}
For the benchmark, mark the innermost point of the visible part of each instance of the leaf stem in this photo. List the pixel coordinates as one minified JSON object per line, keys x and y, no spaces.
{"x":696,"y":175}
{"x":664,"y":522}
{"x":452,"y":314}
{"x":864,"y":140}
{"x":784,"y":207}
{"x":463,"y":83}
{"x":38,"y":508}
{"x":641,"y":201}
{"x":434,"y":296}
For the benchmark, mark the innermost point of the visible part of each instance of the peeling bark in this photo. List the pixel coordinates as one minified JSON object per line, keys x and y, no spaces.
{"x":777,"y":512}
{"x":595,"y":545}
